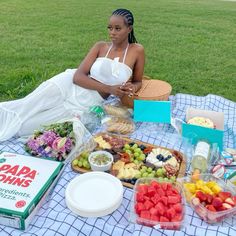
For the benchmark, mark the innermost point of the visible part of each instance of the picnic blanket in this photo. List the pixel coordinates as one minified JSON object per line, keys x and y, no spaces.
{"x":54,"y":218}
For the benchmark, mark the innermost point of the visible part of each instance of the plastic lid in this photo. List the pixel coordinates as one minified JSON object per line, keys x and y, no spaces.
{"x":94,"y":194}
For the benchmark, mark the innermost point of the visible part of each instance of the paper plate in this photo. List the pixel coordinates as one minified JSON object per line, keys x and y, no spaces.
{"x":94,"y":194}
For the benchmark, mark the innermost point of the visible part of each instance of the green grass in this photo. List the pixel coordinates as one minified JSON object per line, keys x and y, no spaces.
{"x":189,"y":43}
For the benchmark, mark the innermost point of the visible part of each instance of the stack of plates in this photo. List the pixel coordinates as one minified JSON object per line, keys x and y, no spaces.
{"x":94,"y":194}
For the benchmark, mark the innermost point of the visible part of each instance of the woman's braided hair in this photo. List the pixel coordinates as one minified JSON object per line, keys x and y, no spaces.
{"x":129,"y":20}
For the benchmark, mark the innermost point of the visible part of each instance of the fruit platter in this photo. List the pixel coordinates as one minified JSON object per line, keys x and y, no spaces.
{"x":157,"y":203}
{"x":210,"y":197}
{"x":133,"y":159}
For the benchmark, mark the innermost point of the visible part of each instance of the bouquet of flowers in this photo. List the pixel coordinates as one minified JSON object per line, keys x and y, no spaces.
{"x":54,"y":141}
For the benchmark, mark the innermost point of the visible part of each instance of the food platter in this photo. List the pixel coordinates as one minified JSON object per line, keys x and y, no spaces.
{"x":134,"y":159}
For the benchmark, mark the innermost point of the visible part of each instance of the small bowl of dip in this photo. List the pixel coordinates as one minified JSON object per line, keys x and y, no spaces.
{"x":100,"y":160}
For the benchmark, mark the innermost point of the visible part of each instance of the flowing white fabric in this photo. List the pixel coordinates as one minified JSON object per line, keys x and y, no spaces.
{"x":54,"y":99}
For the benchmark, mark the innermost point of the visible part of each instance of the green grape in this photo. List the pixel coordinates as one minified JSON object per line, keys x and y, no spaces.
{"x":173,"y":179}
{"x":145,"y":174}
{"x":151,"y":175}
{"x":136,"y":162}
{"x":84,"y":154}
{"x":131,"y":159}
{"x":142,"y":171}
{"x":149,"y":170}
{"x":126,"y":146}
{"x":144,"y":168}
{"x":80,"y":163}
{"x":138,"y":150}
{"x":141,"y":157}
{"x":136,"y":154}
{"x":128,"y":151}
{"x":85,"y":163}
{"x":159,"y":172}
{"x":75,"y":162}
{"x":160,"y":179}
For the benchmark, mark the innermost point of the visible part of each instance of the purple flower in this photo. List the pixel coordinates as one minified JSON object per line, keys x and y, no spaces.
{"x":49,"y":137}
{"x":68,"y":144}
{"x":33,"y":144}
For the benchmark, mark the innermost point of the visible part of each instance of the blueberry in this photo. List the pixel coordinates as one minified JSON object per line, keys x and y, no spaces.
{"x":142,"y":147}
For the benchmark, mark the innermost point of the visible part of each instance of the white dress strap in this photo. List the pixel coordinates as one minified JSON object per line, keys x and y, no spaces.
{"x":108,"y":50}
{"x":125,"y":53}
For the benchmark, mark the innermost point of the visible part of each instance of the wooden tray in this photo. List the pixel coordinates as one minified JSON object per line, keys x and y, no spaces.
{"x":181,"y":171}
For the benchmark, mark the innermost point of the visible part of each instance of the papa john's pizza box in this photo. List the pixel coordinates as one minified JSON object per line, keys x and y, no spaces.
{"x":25,"y":182}
{"x":197,"y":132}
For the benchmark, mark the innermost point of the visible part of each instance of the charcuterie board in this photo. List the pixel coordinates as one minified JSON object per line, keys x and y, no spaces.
{"x":134,"y":159}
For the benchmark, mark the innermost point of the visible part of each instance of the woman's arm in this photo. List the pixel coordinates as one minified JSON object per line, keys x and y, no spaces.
{"x":82,"y":78}
{"x":136,"y":82}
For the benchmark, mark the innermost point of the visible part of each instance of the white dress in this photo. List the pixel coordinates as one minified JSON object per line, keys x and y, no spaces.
{"x":59,"y":98}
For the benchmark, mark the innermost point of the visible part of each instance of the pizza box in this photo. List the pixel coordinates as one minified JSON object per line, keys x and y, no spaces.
{"x":24,"y":185}
{"x":196,"y":133}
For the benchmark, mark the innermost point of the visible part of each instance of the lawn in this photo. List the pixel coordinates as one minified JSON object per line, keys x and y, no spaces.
{"x":189,"y":43}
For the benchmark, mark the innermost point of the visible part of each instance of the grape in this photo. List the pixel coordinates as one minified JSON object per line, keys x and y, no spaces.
{"x":136,"y":162}
{"x":136,"y":154}
{"x":75,"y":162}
{"x":128,"y":151}
{"x":151,"y":175}
{"x":138,"y":150}
{"x":159,"y":172}
{"x":145,"y":174}
{"x":80,"y":163}
{"x":149,"y":170}
{"x":85,"y":163}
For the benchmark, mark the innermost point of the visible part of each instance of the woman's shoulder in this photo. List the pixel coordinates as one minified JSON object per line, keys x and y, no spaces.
{"x":101,"y":44}
{"x":137,"y":46}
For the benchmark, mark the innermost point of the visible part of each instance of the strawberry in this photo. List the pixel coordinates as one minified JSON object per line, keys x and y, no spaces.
{"x":217,"y":202}
{"x":230,"y":201}
{"x":210,"y":208}
{"x":209,"y":198}
{"x":226,"y":206}
{"x":224,"y":195}
{"x":234,"y":199}
{"x":195,"y":201}
{"x":202,"y":196}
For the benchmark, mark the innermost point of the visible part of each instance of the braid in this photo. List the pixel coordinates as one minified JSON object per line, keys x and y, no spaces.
{"x":129,"y":20}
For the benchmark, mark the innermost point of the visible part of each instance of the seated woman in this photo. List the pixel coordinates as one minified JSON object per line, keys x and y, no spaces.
{"x":105,"y":70}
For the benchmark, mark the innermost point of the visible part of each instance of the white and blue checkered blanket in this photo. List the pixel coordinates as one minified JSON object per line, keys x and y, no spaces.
{"x":54,"y":218}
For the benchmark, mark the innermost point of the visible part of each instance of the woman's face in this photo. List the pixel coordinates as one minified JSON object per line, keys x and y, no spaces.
{"x":118,"y":30}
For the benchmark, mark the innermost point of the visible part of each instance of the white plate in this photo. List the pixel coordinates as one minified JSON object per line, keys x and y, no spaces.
{"x":94,"y":194}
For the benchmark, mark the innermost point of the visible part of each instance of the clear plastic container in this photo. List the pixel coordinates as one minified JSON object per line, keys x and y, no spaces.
{"x":175,"y":218}
{"x":209,"y":216}
{"x":118,"y":125}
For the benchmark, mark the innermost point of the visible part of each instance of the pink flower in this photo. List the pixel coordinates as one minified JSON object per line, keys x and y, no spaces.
{"x":59,"y":144}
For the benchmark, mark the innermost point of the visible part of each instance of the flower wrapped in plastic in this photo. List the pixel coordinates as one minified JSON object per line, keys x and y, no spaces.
{"x":58,"y":140}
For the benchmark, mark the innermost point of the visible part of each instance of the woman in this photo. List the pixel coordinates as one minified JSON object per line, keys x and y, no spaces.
{"x":105,"y":70}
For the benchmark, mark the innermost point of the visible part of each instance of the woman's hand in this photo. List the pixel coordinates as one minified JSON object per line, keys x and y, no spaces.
{"x":118,"y":90}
